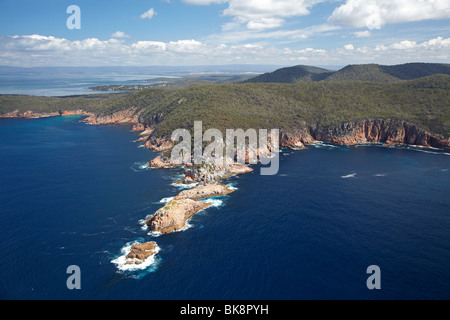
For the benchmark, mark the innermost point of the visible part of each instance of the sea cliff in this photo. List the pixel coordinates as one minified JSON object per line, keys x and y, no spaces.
{"x":390,"y":132}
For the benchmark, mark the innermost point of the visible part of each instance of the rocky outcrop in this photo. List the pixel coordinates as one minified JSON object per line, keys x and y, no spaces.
{"x":159,"y":145}
{"x":296,"y":139}
{"x":162,"y":163}
{"x":205,"y":192}
{"x":213,"y":174}
{"x":389,"y":132}
{"x":68,"y":113}
{"x":129,"y":116}
{"x":141,"y":252}
{"x":174,"y":215}
{"x":138,"y":127}
{"x":381,"y":131}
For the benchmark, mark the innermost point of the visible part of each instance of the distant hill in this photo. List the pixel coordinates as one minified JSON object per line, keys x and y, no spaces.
{"x":424,"y":102}
{"x":365,"y":72}
{"x":293,"y":75}
{"x":412,"y":71}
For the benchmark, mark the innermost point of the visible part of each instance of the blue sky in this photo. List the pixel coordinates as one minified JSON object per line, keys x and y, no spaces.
{"x":217,"y":32}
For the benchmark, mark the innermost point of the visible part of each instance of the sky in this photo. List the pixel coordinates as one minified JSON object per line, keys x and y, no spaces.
{"x":223,"y":32}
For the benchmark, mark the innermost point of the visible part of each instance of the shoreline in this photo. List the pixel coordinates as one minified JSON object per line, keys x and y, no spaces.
{"x":202,"y":183}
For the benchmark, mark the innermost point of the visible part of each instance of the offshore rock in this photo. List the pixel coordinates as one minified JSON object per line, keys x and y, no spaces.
{"x":141,"y":252}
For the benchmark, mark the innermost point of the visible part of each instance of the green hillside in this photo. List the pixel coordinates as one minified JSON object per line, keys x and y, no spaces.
{"x":424,"y":102}
{"x":292,"y":75}
{"x":365,"y":72}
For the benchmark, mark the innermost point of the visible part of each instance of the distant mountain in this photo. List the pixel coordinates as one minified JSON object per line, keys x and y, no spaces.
{"x":412,"y":71}
{"x":292,"y":75}
{"x":365,"y":72}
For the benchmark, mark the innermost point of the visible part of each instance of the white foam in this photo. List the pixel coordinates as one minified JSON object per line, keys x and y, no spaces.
{"x":232,"y":186}
{"x":324,"y":145}
{"x":381,"y":175}
{"x":214,"y":202}
{"x":428,"y":150}
{"x":140,"y":166}
{"x":159,"y":234}
{"x":121,"y":261}
{"x":184,"y":186}
{"x":353,"y":175}
{"x":143,"y":224}
{"x":166,"y":200}
{"x":154,"y":234}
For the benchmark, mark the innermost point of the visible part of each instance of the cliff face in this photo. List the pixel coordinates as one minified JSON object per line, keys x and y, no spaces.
{"x":366,"y":131}
{"x":129,"y":116}
{"x":359,"y":132}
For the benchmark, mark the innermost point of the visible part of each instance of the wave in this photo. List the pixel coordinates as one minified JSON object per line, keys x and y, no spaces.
{"x":140,"y":166}
{"x":143,"y":224}
{"x":353,"y":175}
{"x":151,"y":263}
{"x":215,"y":202}
{"x":429,"y":150}
{"x":325,"y":145}
{"x":381,"y":175}
{"x":232,"y":186}
{"x":182,"y":186}
{"x":166,"y":200}
{"x":188,"y":226}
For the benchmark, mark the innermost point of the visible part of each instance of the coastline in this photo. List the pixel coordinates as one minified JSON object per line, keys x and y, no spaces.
{"x":205,"y":183}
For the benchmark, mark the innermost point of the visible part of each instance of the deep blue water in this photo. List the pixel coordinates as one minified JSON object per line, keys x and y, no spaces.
{"x":73,"y":194}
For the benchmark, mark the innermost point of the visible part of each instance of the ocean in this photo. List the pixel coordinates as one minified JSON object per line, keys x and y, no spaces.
{"x":74,"y":194}
{"x":68,"y":84}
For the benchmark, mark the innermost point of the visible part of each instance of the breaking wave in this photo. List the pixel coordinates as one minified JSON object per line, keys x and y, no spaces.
{"x":150,"y":264}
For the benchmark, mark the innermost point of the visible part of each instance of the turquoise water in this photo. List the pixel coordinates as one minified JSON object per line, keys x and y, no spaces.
{"x":73,"y":194}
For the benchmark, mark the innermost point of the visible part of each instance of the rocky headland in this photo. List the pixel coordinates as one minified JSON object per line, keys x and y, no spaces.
{"x":173,"y":216}
{"x":205,"y":192}
{"x":389,"y":132}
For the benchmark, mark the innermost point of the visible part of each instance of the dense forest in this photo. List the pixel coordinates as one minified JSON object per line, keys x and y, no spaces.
{"x":424,"y":102}
{"x":365,"y":72}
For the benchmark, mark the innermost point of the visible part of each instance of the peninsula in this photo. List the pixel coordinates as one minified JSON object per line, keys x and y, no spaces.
{"x":356,"y":105}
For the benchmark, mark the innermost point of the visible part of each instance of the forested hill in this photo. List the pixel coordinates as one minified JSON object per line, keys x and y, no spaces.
{"x":424,"y":102}
{"x":292,"y":75}
{"x":368,"y":72}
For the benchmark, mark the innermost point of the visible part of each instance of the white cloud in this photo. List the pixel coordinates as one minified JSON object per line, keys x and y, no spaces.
{"x":374,"y":14}
{"x":404,"y":45}
{"x":38,"y":50}
{"x":262,"y":14}
{"x":150,"y":46}
{"x":349,"y":47}
{"x":237,"y":34}
{"x":119,"y":35}
{"x":149,"y":14}
{"x":185,"y":46}
{"x":363,"y":34}
{"x":203,"y":2}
